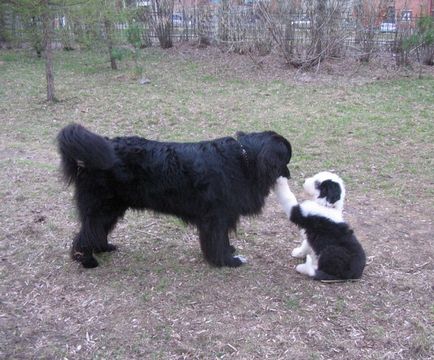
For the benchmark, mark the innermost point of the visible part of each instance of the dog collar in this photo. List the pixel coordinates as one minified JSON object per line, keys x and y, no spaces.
{"x":244,"y":156}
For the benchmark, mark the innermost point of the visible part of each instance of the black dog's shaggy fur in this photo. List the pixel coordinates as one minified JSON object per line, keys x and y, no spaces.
{"x":209,"y":184}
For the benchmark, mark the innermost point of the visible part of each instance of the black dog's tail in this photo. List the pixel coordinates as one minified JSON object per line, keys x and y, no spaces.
{"x":80,"y":148}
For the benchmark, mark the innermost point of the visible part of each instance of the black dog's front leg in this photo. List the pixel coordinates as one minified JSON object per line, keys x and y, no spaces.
{"x":214,"y":242}
{"x":228,"y":245}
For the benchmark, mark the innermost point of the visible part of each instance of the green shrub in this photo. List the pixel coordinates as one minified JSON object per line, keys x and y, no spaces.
{"x":423,"y":40}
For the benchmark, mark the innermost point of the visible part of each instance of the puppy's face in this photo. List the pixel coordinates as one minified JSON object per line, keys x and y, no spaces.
{"x":327,"y":189}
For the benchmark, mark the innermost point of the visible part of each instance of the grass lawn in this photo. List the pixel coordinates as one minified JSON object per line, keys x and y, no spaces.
{"x":156,"y":298}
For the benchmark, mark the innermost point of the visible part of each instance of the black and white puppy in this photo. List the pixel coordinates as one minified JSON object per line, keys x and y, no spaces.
{"x":332,"y":251}
{"x":209,"y":184}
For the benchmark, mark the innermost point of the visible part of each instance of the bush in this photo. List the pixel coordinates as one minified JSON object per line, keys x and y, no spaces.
{"x":422,"y":41}
{"x":134,"y":35}
{"x":119,"y":53}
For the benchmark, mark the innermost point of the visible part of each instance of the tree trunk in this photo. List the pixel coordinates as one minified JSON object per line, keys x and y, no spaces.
{"x":224,"y":21}
{"x":2,"y":29}
{"x":164,"y":33}
{"x":319,"y":28}
{"x":163,"y":22}
{"x":46,"y":23}
{"x":202,"y":25}
{"x":107,"y":26}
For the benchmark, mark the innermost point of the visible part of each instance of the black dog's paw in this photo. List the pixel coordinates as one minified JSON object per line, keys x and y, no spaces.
{"x":235,"y":261}
{"x":89,"y":263}
{"x":109,"y":248}
{"x":87,"y":260}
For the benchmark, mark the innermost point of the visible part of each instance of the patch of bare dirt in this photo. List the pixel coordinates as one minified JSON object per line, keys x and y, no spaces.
{"x":156,"y":298}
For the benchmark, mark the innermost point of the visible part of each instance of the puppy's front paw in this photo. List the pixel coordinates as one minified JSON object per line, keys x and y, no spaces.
{"x":301,"y":268}
{"x":298,"y":252}
{"x":305,"y":268}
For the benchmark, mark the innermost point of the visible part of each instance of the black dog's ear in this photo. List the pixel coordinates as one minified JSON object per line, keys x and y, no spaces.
{"x":273,"y":157}
{"x":330,"y":190}
{"x":272,"y":160}
{"x":238,"y":134}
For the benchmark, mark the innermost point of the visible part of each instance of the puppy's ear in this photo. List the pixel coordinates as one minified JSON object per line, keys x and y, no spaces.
{"x":329,"y":190}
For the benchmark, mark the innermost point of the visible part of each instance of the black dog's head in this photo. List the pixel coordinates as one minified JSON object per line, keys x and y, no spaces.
{"x":272,"y":153}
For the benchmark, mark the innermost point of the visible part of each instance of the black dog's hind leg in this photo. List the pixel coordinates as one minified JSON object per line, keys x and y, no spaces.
{"x":81,"y":250}
{"x":109,"y":222}
{"x":214,"y":242}
{"x":93,"y":238}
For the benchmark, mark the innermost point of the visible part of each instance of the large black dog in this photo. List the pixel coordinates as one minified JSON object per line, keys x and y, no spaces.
{"x":209,"y":184}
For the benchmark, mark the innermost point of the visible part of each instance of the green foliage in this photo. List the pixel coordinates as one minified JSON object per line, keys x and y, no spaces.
{"x":424,"y":34}
{"x":138,"y":71}
{"x":422,"y":40}
{"x":25,"y":16}
{"x":134,"y":35}
{"x":119,"y":53}
{"x":86,"y":39}
{"x":5,"y":33}
{"x":10,"y":57}
{"x":33,"y":32}
{"x":426,"y":28}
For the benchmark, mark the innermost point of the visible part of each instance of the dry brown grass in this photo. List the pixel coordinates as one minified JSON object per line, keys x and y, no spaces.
{"x":156,"y":298}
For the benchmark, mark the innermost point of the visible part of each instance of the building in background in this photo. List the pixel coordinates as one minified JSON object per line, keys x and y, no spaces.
{"x":407,"y":10}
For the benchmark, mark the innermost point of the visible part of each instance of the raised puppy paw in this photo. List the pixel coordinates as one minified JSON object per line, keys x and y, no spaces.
{"x":281,"y":184}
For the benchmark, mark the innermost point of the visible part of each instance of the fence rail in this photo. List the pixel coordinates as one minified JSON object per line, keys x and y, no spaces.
{"x":242,"y":29}
{"x":248,"y":25}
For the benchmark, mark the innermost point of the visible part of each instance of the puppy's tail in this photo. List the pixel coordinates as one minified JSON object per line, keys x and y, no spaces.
{"x":81,"y":149}
{"x":321,"y":275}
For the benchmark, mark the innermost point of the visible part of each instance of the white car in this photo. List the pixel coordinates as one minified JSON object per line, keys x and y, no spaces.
{"x":302,"y":22}
{"x":179,"y":20}
{"x":388,"y":27}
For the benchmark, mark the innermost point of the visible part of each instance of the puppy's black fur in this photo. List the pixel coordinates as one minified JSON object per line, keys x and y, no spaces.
{"x":340,"y":254}
{"x":209,"y":184}
{"x":330,"y":190}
